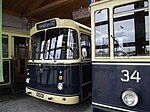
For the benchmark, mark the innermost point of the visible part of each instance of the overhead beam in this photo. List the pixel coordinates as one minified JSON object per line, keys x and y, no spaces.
{"x":35,"y":5}
{"x":11,"y":12}
{"x":17,"y":3}
{"x":47,"y":7}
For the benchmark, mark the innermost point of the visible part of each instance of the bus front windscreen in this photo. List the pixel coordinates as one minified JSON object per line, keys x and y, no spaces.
{"x":55,"y":44}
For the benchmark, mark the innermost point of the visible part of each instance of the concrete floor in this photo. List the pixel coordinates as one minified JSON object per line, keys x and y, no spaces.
{"x":30,"y":104}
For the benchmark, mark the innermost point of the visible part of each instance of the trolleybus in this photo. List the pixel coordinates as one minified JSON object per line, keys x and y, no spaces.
{"x":121,"y":55}
{"x":59,"y":69}
{"x":15,"y":47}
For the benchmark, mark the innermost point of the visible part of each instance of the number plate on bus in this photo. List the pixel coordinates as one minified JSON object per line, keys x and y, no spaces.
{"x":41,"y":95}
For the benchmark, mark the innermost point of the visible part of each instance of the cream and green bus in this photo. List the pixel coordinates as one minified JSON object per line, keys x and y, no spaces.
{"x":59,"y":69}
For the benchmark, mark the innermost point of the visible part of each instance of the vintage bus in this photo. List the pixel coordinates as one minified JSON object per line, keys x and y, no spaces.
{"x":121,"y":55}
{"x":59,"y":69}
{"x":15,"y":47}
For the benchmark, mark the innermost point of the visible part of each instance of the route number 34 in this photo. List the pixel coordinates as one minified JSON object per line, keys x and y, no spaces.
{"x":127,"y":76}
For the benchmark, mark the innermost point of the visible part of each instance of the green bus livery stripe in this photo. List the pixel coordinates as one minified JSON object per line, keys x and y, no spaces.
{"x":1,"y":66}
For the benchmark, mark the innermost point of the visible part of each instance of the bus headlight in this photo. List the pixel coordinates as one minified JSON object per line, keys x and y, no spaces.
{"x":28,"y":80}
{"x":60,"y":86}
{"x":130,"y":98}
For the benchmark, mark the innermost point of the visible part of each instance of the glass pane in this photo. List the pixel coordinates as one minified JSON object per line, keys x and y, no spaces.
{"x":124,"y":8}
{"x":37,"y":42}
{"x":22,"y":48}
{"x":86,"y":46}
{"x":6,"y":74}
{"x":124,"y":36}
{"x":61,"y":44}
{"x":130,"y":7}
{"x":5,"y":47}
{"x":131,"y":32}
{"x":22,"y":53}
{"x":101,"y":15}
{"x":101,"y":33}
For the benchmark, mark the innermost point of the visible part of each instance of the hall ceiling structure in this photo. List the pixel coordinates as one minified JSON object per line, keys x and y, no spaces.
{"x":38,"y":10}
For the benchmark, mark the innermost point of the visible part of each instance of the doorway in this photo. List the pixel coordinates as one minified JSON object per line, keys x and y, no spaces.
{"x":21,"y":52}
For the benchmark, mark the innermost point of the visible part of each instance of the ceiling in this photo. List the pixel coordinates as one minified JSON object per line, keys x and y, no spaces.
{"x":38,"y":10}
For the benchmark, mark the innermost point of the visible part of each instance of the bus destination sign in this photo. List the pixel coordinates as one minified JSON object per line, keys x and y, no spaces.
{"x":47,"y":24}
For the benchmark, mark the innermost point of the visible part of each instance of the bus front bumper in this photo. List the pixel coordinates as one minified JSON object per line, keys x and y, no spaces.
{"x":53,"y":98}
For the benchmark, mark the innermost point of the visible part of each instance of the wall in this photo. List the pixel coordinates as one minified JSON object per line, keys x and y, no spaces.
{"x":10,"y":22}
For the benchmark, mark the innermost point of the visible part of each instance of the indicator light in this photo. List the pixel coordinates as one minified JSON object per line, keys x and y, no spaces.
{"x":60,"y":78}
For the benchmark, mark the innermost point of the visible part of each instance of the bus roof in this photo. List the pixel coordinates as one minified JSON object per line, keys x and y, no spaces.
{"x":56,"y":22}
{"x":99,"y":2}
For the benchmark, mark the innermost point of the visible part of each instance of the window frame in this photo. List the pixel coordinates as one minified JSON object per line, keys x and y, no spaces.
{"x":102,"y":23}
{"x":89,"y":55}
{"x":128,"y":17}
{"x":6,"y":37}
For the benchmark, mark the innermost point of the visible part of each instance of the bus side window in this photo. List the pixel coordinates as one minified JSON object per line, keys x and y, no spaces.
{"x":131,"y":30}
{"x":85,"y":46}
{"x":102,"y":33}
{"x":5,"y":46}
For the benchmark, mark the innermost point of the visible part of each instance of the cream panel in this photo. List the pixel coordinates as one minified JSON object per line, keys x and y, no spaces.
{"x":54,"y":98}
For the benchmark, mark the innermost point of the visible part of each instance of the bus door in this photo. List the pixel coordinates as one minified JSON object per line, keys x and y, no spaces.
{"x":86,"y":74}
{"x":21,"y":46}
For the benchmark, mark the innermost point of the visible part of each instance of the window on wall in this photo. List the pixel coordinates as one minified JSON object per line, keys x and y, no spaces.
{"x":102,"y":33}
{"x":131,"y":30}
{"x":85,"y":46}
{"x":5,"y":46}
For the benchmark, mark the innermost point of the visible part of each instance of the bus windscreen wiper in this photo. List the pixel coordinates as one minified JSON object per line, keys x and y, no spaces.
{"x":124,"y":51}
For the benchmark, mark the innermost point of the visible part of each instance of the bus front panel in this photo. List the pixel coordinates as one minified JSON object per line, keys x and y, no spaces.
{"x":54,"y":79}
{"x":111,"y":80}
